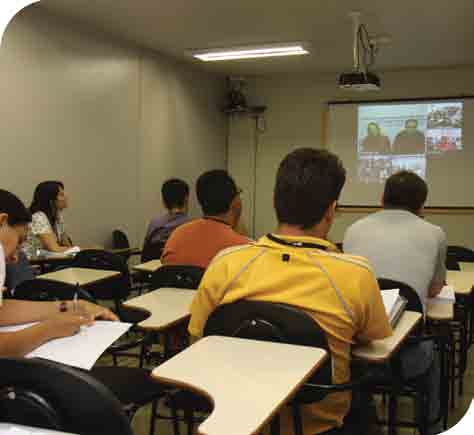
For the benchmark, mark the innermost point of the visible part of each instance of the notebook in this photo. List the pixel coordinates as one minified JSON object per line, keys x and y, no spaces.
{"x":394,"y":305}
{"x":81,"y":350}
{"x":69,"y":252}
{"x":447,"y":296}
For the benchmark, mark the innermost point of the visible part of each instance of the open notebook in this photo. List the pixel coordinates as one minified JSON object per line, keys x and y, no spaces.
{"x":394,"y":305}
{"x":447,"y":296}
{"x":81,"y":350}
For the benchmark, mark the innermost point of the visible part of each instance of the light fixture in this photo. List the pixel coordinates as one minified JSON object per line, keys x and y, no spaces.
{"x":250,"y":52}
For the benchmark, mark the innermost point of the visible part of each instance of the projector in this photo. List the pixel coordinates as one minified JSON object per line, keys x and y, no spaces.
{"x":359,"y":81}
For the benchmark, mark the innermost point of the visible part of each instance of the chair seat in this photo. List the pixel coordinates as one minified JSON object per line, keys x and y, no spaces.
{"x":130,"y":385}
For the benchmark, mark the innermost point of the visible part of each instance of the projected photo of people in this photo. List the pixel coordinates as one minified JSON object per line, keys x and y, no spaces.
{"x":410,"y":140}
{"x":445,"y":123}
{"x":375,"y":141}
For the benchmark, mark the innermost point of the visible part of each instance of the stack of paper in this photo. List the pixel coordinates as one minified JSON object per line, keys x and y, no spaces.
{"x":70,"y":252}
{"x":447,"y":296}
{"x":394,"y":305}
{"x":81,"y":350}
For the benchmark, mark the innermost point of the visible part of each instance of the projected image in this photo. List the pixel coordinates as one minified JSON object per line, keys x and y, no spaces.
{"x":392,"y":137}
{"x":377,"y":168}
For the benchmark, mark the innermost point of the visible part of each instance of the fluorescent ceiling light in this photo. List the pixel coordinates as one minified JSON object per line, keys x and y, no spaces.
{"x":250,"y":52}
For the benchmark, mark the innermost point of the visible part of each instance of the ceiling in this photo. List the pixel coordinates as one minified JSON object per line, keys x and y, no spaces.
{"x":425,"y":33}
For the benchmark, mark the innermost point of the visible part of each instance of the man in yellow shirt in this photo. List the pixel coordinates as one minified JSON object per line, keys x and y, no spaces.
{"x":296,"y":265}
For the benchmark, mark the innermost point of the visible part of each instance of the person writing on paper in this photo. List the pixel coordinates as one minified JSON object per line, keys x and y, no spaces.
{"x":404,"y":247}
{"x":297,"y":265}
{"x":46,"y":231}
{"x":55,"y":319}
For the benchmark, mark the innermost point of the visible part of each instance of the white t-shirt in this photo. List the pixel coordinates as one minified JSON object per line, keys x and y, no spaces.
{"x":400,"y":246}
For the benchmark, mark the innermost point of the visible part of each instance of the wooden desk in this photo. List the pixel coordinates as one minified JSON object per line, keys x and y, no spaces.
{"x":18,"y":429}
{"x":466,"y":267}
{"x":462,"y":281}
{"x":167,"y":307}
{"x":246,"y":380}
{"x":148,"y":267}
{"x":379,"y":351}
{"x":440,"y":311}
{"x":78,"y":275}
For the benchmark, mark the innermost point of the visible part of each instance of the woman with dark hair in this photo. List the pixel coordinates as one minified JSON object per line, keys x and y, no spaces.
{"x":46,"y":231}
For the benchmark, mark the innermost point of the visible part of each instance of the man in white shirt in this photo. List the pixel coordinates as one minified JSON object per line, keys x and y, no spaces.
{"x":402,"y":246}
{"x":55,"y":319}
{"x":398,"y":242}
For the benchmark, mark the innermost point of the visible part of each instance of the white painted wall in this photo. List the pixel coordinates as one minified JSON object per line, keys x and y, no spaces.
{"x":294,"y":119}
{"x":110,"y":120}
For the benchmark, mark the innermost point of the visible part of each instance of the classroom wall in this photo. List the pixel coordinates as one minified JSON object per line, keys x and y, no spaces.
{"x":294,"y":118}
{"x":109,"y":119}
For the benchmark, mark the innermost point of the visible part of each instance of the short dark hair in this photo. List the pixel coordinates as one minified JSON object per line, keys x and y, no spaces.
{"x":17,"y":213}
{"x":174,"y":193}
{"x":215,"y":191}
{"x":405,"y":190}
{"x":308,"y":181}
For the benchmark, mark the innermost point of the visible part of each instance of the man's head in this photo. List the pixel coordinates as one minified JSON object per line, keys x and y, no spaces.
{"x":373,"y":129}
{"x":309,"y":182}
{"x":405,"y":190}
{"x":411,"y":124}
{"x":14,"y":220}
{"x":175,"y":194}
{"x":218,"y":195}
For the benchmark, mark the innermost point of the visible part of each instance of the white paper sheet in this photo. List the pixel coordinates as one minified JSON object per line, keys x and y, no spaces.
{"x":390,"y":298}
{"x":81,"y":350}
{"x":16,"y":429}
{"x":447,"y":296}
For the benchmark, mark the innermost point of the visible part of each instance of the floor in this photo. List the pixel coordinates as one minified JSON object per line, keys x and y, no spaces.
{"x":141,"y":420}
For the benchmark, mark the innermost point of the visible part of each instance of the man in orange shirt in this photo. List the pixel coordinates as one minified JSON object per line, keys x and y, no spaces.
{"x":197,"y":242}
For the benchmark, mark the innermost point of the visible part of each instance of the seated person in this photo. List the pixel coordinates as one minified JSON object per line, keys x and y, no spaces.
{"x":56,"y":319}
{"x":402,"y":246}
{"x":375,"y":141}
{"x":175,"y":196}
{"x":197,"y":242}
{"x":296,"y":265}
{"x":410,"y":140}
{"x":46,"y":231}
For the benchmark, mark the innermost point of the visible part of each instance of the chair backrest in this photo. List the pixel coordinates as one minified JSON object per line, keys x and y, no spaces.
{"x":455,"y":254}
{"x":45,"y":394}
{"x":120,"y":240}
{"x":407,"y":292}
{"x":48,"y":290}
{"x":152,"y":249}
{"x":276,"y":322}
{"x":177,"y":276}
{"x":18,"y":272}
{"x":112,"y":289}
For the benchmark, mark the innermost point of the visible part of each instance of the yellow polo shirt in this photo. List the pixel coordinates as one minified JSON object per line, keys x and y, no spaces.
{"x":305,"y":277}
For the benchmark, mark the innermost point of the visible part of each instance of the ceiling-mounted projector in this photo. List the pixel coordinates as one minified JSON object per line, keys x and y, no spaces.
{"x":359,"y":81}
{"x":364,"y":50}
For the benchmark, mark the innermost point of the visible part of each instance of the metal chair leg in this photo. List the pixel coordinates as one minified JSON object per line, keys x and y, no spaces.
{"x":297,"y":422}
{"x":275,"y":425}
{"x":154,"y":407}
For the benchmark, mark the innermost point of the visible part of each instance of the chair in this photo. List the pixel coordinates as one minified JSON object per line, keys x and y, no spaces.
{"x":391,"y":382}
{"x":269,"y":322}
{"x":152,"y":249}
{"x":45,"y":394}
{"x":184,"y":276}
{"x":18,"y":272}
{"x":120,"y":240}
{"x":456,"y":254}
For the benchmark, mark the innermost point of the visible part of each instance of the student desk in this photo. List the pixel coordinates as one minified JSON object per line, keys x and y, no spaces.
{"x":248,"y":381}
{"x":462,"y":281}
{"x":80,"y":276}
{"x":148,"y":267}
{"x":379,"y":351}
{"x":44,"y":261}
{"x":167,"y":307}
{"x":466,"y":267}
{"x":18,"y":429}
{"x":439,"y":311}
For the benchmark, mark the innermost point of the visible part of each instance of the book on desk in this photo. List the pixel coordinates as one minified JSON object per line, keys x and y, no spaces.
{"x":394,"y":305}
